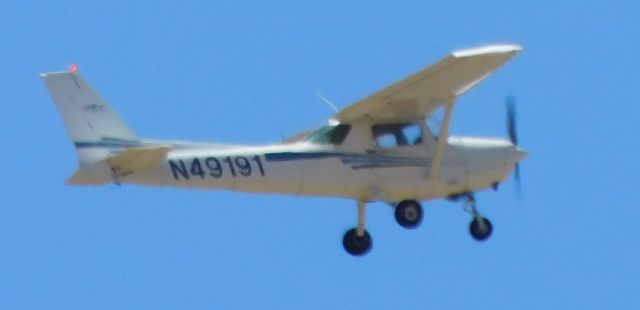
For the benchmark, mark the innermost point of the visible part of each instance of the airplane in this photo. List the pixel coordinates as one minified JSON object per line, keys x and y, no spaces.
{"x":379,"y":149}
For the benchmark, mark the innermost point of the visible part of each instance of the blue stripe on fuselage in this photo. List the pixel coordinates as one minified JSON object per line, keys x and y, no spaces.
{"x":287,"y":156}
{"x":107,"y":144}
{"x":356,"y":161}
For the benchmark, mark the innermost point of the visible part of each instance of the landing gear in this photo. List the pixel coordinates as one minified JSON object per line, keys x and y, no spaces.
{"x":480,"y":227}
{"x":357,"y":241}
{"x":356,"y":245}
{"x":409,"y":214}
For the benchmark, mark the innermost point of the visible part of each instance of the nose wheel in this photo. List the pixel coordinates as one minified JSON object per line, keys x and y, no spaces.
{"x":480,"y":227}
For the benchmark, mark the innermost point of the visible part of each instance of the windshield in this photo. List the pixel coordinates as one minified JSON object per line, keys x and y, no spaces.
{"x":333,"y":134}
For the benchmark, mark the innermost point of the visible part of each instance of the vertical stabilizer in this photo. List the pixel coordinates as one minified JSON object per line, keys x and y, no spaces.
{"x":87,"y":117}
{"x":94,"y":127}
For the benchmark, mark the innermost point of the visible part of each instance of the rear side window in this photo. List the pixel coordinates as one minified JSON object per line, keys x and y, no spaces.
{"x":396,"y":135}
{"x":334,"y":135}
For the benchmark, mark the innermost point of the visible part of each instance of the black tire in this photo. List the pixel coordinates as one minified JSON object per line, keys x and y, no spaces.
{"x":409,"y":214}
{"x":478,"y":231}
{"x":356,"y":245}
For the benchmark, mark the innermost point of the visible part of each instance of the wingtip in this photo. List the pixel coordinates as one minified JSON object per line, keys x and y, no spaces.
{"x":488,"y":49}
{"x":46,"y":75}
{"x":72,"y":69}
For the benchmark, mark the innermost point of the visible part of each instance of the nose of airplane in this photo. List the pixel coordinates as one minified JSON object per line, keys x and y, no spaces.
{"x":520,"y":155}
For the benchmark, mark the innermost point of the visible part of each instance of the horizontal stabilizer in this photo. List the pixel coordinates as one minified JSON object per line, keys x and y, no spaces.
{"x":136,"y":159}
{"x":122,"y":164}
{"x":81,"y":178}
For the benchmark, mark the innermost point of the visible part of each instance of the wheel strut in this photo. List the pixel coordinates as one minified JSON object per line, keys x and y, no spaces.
{"x":361,"y":215}
{"x":470,"y":205}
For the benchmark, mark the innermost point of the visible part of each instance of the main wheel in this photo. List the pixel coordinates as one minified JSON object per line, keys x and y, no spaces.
{"x":480,"y":228}
{"x":409,"y":214}
{"x":356,"y":245}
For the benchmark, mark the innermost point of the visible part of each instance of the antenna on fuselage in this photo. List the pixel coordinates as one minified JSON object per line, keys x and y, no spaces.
{"x":327,"y":101}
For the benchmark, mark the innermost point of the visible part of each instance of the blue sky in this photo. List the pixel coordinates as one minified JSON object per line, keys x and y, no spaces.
{"x":248,"y":72}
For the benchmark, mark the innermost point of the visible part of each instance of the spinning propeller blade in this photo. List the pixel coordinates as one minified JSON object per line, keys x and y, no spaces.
{"x":511,"y":120}
{"x":512,"y":131}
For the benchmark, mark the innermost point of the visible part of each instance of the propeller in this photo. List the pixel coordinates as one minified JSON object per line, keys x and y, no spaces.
{"x":513,"y":134}
{"x":511,"y":120}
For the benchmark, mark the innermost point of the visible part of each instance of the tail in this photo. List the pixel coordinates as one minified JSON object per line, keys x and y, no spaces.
{"x":94,"y":127}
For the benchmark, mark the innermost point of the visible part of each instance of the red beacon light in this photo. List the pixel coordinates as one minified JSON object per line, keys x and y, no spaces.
{"x":73,"y":68}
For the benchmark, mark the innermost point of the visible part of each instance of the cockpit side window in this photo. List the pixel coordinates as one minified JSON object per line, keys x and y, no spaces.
{"x":333,"y":134}
{"x":397,"y":135}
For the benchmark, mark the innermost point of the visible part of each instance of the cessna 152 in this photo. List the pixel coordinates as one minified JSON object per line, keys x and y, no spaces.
{"x":378,"y":149}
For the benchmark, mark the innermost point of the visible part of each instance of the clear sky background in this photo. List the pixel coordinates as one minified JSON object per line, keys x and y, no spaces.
{"x":248,"y":73}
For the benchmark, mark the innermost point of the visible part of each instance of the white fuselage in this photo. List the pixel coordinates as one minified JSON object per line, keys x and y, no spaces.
{"x":305,"y":168}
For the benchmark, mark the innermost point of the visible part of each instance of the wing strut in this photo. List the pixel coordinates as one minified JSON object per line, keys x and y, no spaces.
{"x":436,"y":162}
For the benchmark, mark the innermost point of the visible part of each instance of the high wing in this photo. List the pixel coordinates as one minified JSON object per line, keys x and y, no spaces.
{"x":419,"y":95}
